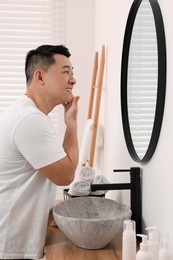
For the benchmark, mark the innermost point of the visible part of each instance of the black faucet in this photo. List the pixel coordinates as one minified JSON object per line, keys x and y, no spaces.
{"x":135,"y":193}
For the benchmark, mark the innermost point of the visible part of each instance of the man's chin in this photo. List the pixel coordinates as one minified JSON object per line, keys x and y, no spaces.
{"x":69,"y":99}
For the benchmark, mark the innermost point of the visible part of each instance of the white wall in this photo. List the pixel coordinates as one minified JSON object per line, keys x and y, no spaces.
{"x":80,"y":41}
{"x":157,"y":181}
{"x":88,"y":27}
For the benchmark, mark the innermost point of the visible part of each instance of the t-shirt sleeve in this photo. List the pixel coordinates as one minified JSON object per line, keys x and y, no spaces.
{"x":36,"y":139}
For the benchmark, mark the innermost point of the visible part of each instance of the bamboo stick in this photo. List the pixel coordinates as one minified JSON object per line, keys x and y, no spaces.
{"x":93,"y":84}
{"x":97,"y":107}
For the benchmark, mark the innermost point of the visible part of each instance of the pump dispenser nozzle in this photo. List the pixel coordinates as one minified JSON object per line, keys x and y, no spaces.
{"x":144,"y":252}
{"x":153,"y":241}
{"x":143,"y":244}
{"x":152,"y":233}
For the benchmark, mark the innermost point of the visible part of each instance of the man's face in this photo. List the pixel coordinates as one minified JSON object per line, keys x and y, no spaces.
{"x":59,"y":80}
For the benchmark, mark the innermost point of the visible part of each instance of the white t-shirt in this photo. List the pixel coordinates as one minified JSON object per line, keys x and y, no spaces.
{"x":28,"y":142}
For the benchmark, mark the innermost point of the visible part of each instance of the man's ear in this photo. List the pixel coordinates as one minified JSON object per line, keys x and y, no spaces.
{"x":39,"y":75}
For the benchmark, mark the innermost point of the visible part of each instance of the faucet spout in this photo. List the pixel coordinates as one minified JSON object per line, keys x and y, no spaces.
{"x":135,"y":193}
{"x":111,"y":186}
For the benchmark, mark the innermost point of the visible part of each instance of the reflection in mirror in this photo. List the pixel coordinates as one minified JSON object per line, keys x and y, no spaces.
{"x":143,"y":78}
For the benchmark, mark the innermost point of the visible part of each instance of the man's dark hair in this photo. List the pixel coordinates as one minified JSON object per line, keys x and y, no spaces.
{"x":43,"y":57}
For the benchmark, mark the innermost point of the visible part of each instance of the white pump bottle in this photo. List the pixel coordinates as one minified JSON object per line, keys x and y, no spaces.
{"x":144,"y":253}
{"x":153,"y":242}
{"x":129,"y":240}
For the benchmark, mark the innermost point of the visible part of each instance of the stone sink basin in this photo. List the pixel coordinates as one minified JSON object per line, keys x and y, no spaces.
{"x":91,"y":222}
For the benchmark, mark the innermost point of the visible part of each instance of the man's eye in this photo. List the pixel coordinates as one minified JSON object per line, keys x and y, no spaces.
{"x":66,"y":71}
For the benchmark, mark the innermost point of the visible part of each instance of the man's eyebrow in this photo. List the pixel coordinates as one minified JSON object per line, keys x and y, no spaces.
{"x":67,"y":67}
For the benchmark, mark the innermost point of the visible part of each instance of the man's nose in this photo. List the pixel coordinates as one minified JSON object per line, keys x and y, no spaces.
{"x":72,"y":80}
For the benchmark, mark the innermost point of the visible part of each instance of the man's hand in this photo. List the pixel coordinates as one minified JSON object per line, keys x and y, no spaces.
{"x":70,"y":110}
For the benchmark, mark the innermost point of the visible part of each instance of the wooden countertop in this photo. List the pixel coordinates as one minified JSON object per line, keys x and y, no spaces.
{"x":60,"y":247}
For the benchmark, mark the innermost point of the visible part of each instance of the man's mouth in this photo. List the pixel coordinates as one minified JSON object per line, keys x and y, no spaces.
{"x":69,"y":89}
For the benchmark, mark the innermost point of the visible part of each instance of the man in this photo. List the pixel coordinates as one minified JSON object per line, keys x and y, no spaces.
{"x":31,"y":161}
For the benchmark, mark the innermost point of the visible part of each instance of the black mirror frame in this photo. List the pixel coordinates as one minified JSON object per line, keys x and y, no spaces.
{"x":161,"y":87}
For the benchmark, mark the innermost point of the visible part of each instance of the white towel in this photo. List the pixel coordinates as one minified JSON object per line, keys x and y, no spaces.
{"x":99,"y":179}
{"x":86,"y":142}
{"x":86,"y":173}
{"x":79,"y":188}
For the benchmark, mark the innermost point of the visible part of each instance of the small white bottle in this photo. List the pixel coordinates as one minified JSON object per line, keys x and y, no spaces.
{"x":153,"y":242}
{"x":144,"y":253}
{"x":165,"y":252}
{"x":129,"y":240}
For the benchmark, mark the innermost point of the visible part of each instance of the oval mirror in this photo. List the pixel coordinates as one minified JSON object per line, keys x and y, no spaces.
{"x":143,"y":78}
